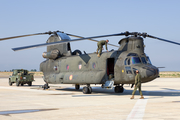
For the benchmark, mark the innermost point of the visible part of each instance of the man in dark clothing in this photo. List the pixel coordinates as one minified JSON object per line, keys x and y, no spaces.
{"x":100,"y":46}
{"x":137,"y":85}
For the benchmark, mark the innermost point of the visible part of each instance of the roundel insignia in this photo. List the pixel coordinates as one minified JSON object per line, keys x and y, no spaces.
{"x":80,"y":66}
{"x":67,"y":67}
{"x":122,"y":71}
{"x":70,"y":77}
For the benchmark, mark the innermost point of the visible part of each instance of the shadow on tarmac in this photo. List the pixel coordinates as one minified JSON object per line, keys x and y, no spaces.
{"x":24,"y":111}
{"x":96,"y":91}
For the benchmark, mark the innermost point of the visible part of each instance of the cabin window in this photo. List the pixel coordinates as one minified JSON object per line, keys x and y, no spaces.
{"x":143,"y":60}
{"x":128,"y":70}
{"x":80,"y":66}
{"x":136,"y":60}
{"x":93,"y":65}
{"x":55,"y":68}
{"x":67,"y":67}
{"x":148,"y":60}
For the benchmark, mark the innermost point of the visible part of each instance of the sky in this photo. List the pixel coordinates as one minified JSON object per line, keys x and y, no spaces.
{"x":159,"y":18}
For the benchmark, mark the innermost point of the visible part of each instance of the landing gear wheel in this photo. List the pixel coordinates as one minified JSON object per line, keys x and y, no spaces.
{"x":85,"y":90}
{"x":119,"y":89}
{"x":22,"y":84}
{"x":10,"y":83}
{"x":17,"y":83}
{"x":90,"y":90}
{"x":30,"y":83}
{"x":77,"y":87}
{"x":45,"y":86}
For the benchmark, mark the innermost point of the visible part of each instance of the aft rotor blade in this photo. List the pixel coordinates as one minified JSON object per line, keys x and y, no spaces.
{"x":89,"y":39}
{"x":25,"y":35}
{"x":163,"y":39}
{"x":58,"y":42}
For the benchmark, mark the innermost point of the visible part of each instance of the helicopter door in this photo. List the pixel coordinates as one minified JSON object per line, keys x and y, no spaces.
{"x":110,"y":66}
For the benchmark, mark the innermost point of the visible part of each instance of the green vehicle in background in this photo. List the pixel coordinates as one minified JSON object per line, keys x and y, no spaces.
{"x":21,"y":77}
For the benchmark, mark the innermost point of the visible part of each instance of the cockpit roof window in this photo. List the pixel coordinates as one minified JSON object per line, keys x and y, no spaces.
{"x":132,"y":54}
{"x":136,"y":60}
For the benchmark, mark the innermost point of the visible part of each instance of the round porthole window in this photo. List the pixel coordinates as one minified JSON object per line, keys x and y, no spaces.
{"x":55,"y":68}
{"x":80,"y":66}
{"x":94,"y":65}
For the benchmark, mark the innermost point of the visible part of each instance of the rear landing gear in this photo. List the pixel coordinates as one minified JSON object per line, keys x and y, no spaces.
{"x":45,"y":86}
{"x":87,"y":89}
{"x":119,"y":89}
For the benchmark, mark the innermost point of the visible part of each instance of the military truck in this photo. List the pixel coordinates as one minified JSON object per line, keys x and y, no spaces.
{"x":21,"y":77}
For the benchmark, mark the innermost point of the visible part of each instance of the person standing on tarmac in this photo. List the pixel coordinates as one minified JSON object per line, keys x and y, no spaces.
{"x":137,"y":85}
{"x":100,"y":46}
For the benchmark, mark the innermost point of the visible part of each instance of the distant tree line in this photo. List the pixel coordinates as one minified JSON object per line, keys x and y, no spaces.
{"x":32,"y":70}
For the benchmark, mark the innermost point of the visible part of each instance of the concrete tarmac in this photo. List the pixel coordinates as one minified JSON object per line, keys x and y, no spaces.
{"x":63,"y":102}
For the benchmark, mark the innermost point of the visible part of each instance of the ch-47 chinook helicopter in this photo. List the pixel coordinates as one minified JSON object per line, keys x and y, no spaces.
{"x":62,"y":66}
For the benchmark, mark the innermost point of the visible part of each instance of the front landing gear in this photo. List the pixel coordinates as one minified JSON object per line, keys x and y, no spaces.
{"x":119,"y":89}
{"x":87,"y":89}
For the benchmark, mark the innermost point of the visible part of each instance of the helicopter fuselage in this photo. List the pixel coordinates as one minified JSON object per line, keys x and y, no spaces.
{"x":89,"y":69}
{"x":86,"y":69}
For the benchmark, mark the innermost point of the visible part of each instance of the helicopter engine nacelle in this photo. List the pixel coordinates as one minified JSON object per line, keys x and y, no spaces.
{"x":52,"y":54}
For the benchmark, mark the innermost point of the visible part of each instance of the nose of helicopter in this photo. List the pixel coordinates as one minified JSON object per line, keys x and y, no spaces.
{"x":152,"y":72}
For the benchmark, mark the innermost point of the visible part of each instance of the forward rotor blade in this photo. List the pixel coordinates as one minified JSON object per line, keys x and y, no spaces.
{"x":89,"y":39}
{"x":25,"y":35}
{"x":53,"y":43}
{"x":163,"y":39}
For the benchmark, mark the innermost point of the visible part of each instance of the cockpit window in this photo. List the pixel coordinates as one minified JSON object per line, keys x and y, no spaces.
{"x":143,"y":60}
{"x":148,"y":60}
{"x":127,"y":61}
{"x":135,"y":60}
{"x":128,"y":70}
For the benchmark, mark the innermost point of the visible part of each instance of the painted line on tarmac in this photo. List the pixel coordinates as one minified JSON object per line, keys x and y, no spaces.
{"x":137,"y":112}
